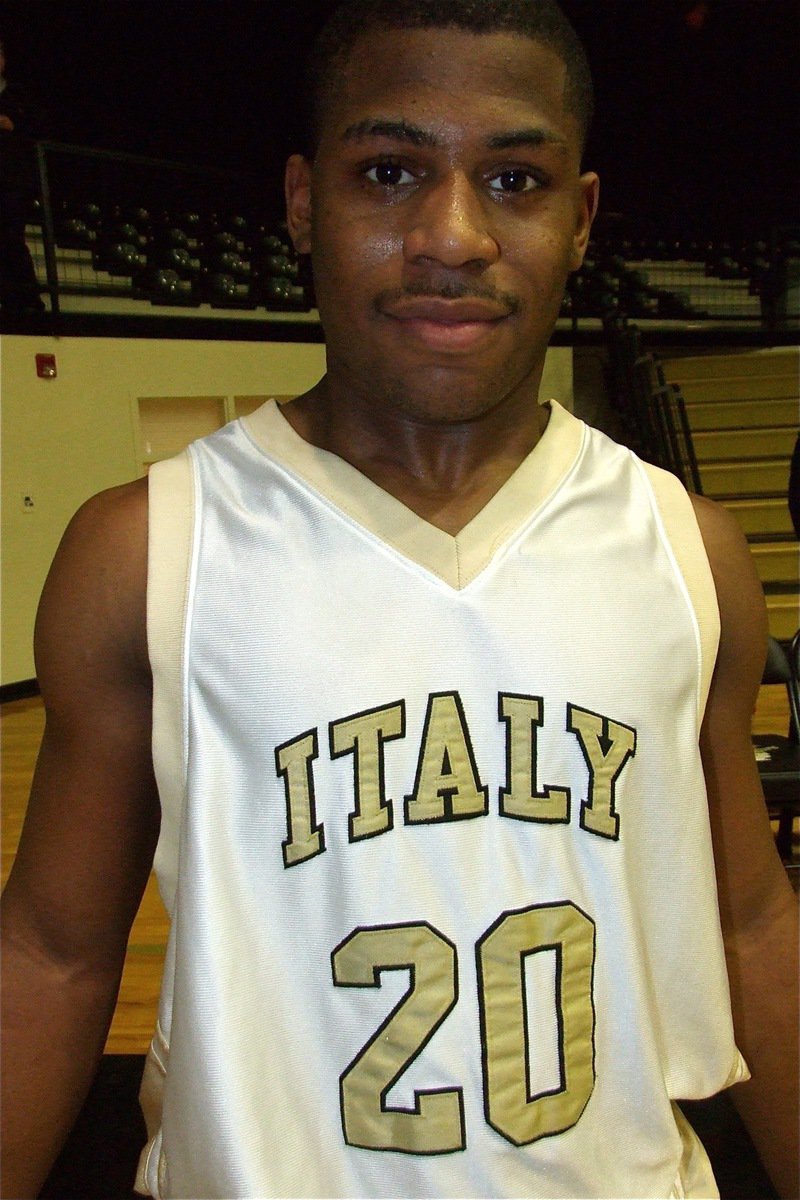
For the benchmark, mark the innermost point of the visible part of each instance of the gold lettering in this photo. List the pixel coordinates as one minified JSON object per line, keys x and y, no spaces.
{"x":293,"y":763}
{"x":520,"y":797}
{"x":364,"y":735}
{"x":447,"y":787}
{"x":606,"y":746}
{"x":566,"y":931}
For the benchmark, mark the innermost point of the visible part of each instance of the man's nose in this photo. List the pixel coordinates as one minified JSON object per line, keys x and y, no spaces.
{"x":451,"y":226}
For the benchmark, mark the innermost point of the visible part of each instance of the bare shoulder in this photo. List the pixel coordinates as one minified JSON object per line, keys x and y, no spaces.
{"x":92,"y":614}
{"x":114,"y":520}
{"x":724,"y":540}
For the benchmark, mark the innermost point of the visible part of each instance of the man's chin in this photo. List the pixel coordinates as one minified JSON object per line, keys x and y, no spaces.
{"x":438,"y":400}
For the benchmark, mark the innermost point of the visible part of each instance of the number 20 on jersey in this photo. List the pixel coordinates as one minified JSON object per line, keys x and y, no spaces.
{"x":436,"y":1123}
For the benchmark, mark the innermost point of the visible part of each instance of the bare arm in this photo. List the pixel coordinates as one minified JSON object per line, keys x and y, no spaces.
{"x":89,"y":835}
{"x":757,"y":905}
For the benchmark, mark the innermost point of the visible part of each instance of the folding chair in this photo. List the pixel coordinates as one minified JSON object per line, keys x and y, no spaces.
{"x":778,"y":754}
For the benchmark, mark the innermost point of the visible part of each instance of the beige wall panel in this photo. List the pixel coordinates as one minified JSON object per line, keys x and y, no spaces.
{"x":66,"y":438}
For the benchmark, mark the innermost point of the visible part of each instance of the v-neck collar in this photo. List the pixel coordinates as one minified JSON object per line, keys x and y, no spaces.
{"x":459,"y":559}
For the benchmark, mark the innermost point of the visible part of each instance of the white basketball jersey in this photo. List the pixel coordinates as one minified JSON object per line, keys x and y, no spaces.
{"x":435,"y":840}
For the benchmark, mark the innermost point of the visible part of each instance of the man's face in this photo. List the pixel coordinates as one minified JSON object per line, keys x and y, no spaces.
{"x":444,"y":210}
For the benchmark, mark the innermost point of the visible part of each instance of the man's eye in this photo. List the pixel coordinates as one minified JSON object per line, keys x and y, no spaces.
{"x":516,"y":179}
{"x":389,"y":174}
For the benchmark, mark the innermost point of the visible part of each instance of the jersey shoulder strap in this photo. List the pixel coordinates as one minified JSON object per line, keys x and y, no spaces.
{"x":171,"y":522}
{"x":684,"y":541}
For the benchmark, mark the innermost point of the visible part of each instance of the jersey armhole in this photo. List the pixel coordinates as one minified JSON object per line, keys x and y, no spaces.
{"x":170,"y":536}
{"x":685,"y":542}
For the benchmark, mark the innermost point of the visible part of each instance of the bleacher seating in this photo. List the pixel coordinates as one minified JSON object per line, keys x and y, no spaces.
{"x":173,"y":258}
{"x":688,"y":281}
{"x":778,"y":751}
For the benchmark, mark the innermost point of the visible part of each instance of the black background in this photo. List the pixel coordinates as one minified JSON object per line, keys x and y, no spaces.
{"x":698,"y":124}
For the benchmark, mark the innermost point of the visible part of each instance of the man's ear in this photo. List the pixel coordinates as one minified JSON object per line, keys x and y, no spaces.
{"x":589,"y":198}
{"x":297,"y":186}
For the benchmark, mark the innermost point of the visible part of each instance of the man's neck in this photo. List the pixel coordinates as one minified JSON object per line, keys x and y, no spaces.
{"x":445,"y":472}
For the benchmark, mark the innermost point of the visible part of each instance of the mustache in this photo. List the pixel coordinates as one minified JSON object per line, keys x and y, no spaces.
{"x":449,"y":290}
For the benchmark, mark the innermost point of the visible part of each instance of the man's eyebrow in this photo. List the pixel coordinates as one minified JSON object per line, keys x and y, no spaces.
{"x":535,"y":136}
{"x":415,"y":135}
{"x":398,"y":131}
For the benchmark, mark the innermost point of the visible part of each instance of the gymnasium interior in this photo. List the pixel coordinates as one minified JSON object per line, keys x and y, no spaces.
{"x":169,"y":301}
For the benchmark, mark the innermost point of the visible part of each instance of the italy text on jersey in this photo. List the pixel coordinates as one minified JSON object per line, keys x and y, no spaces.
{"x":448,"y":785}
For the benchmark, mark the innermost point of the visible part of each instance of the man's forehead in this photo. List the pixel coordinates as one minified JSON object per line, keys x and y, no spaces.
{"x":400,"y":74}
{"x":422,"y":54}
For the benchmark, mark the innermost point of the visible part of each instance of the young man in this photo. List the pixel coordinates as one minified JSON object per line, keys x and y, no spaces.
{"x":445,"y":689}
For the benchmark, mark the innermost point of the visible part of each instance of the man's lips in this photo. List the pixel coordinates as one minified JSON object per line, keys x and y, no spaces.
{"x":446,"y":324}
{"x":446,"y":312}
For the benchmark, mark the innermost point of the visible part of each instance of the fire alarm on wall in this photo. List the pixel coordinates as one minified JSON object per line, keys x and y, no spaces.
{"x":46,"y":366}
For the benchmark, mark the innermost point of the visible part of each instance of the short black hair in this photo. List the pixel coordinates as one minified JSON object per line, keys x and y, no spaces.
{"x":541,"y":20}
